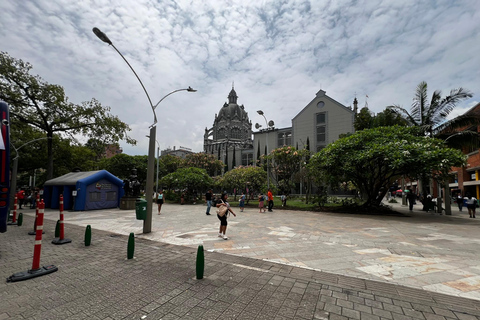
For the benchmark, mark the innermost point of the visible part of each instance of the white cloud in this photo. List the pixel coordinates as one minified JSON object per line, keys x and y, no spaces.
{"x":279,"y":53}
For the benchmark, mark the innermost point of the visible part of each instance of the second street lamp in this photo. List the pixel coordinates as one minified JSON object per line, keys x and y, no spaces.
{"x":268,"y":125}
{"x":147,"y":223}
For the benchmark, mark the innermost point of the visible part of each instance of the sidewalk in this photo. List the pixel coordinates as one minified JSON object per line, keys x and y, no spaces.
{"x":97,"y":282}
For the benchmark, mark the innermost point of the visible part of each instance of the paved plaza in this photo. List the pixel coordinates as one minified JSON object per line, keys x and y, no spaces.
{"x":280,"y":265}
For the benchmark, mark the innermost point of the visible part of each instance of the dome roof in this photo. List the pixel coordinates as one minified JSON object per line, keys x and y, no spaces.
{"x":230,"y":110}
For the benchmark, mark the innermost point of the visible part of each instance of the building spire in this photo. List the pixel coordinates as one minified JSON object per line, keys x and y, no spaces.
{"x":232,"y":96}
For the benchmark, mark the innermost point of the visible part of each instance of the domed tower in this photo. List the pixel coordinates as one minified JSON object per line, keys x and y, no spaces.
{"x":230,"y":138}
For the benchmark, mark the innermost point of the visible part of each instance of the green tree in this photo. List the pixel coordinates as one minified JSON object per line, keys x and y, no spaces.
{"x":203,"y":161}
{"x":363,"y":120}
{"x":285,"y":162}
{"x":258,"y":154}
{"x":192,"y":179}
{"x":121,"y":165}
{"x":373,"y":159}
{"x":45,"y":106}
{"x":388,"y":118}
{"x":252,"y":177}
{"x":168,"y":164}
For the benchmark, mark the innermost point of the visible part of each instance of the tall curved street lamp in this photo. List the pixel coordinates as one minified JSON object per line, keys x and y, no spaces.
{"x":147,"y":223}
{"x":268,"y":124}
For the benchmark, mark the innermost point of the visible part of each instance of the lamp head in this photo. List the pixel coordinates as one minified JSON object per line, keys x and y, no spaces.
{"x":257,"y":126}
{"x":102,"y":36}
{"x":260,"y":112}
{"x":189,"y":89}
{"x":271,"y":123}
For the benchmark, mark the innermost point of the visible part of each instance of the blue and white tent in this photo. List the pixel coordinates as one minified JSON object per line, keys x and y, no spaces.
{"x":94,"y":190}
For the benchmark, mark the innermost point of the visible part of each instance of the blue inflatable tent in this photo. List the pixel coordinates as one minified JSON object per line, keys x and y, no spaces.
{"x":89,"y":190}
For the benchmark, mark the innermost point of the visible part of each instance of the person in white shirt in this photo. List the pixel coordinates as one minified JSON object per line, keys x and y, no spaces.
{"x":471,"y":205}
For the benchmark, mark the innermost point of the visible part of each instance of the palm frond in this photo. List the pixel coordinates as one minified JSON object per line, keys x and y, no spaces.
{"x":435,"y":112}
{"x":420,"y":103}
{"x":403,"y":113}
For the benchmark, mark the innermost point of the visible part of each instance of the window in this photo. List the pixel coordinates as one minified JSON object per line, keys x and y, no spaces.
{"x":321,"y":130}
{"x":236,"y":134}
{"x":247,"y":159}
{"x":284,"y":138}
{"x":221,"y":133}
{"x":112,"y":196}
{"x":95,"y":196}
{"x":320,"y":118}
{"x":321,"y":134}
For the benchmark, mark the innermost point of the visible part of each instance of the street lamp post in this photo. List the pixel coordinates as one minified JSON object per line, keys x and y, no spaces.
{"x":158,"y":160}
{"x":147,"y":223}
{"x":268,"y":124}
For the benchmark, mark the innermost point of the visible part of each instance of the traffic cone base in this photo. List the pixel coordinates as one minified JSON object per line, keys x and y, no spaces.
{"x":25,"y":275}
{"x":61,"y":241}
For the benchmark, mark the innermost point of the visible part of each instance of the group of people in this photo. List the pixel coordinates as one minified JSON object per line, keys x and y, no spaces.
{"x":470,"y":202}
{"x":262,"y":199}
{"x":25,"y":198}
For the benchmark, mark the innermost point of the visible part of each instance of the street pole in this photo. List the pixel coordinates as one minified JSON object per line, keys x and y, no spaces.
{"x":147,"y":224}
{"x":158,"y":160}
{"x":268,"y":124}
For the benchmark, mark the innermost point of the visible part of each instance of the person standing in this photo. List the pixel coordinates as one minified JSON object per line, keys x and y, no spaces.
{"x":208,"y":200}
{"x":270,"y":200}
{"x":410,"y":197}
{"x":223,"y":219}
{"x":471,"y":205}
{"x":20,"y":198}
{"x":159,"y":200}
{"x":261,"y":203}
{"x":460,"y":201}
{"x":242,"y":202}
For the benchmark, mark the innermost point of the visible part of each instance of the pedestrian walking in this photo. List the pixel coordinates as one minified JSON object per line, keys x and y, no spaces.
{"x":270,"y":200}
{"x":471,"y":203}
{"x":460,"y":201}
{"x":223,"y":219}
{"x":410,"y":197}
{"x":261,"y":203}
{"x":159,"y":200}
{"x":284,"y":200}
{"x":208,"y":200}
{"x":242,"y":202}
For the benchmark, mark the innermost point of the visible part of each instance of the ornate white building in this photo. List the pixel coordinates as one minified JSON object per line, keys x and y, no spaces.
{"x":230,"y":137}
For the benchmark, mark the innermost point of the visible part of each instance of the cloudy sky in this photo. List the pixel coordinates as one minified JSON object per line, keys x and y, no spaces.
{"x":278,"y":54}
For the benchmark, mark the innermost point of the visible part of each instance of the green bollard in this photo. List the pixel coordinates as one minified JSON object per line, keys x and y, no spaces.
{"x":57,"y":229}
{"x":131,"y":246}
{"x":200,"y":262}
{"x":88,"y":236}
{"x":20,"y":219}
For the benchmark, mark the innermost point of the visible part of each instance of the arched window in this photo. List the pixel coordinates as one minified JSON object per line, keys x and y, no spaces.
{"x":221,"y":133}
{"x":236,"y":133}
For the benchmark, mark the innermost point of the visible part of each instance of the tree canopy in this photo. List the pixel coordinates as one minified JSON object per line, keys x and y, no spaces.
{"x":372,"y":159}
{"x":45,"y":106}
{"x":285,"y":162}
{"x":203,"y":161}
{"x":240,"y":178}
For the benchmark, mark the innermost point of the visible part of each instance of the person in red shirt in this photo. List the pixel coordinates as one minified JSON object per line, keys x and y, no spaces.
{"x":20,"y":198}
{"x":270,"y":200}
